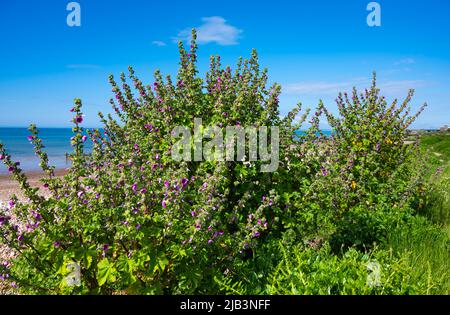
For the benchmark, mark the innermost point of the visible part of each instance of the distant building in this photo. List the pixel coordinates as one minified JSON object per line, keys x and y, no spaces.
{"x":444,"y":128}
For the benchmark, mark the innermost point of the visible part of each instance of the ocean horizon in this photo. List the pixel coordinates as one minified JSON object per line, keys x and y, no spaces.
{"x":55,"y":140}
{"x":56,"y":143}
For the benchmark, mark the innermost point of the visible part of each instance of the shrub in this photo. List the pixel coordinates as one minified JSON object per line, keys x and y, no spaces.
{"x":129,"y":218}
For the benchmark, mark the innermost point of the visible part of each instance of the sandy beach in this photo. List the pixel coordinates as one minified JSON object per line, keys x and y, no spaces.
{"x":9,"y":186}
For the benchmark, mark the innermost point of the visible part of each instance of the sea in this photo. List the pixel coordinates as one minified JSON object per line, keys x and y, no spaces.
{"x":55,"y":140}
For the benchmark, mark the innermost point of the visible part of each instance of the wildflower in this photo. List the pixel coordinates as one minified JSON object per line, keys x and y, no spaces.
{"x":138,"y":226}
{"x":84,"y":138}
{"x":184,"y":182}
{"x":80,"y":194}
{"x":324,"y":171}
{"x":30,"y":138}
{"x":45,"y":185}
{"x":257,"y":234}
{"x":134,"y":187}
{"x":164,"y":204}
{"x":143,"y":191}
{"x":193,"y":213}
{"x":2,"y":157}
{"x":166,"y":184}
{"x":11,"y":169}
{"x":57,"y":244}
{"x":11,"y":203}
{"x":79,"y":119}
{"x":210,"y":241}
{"x":20,"y":238}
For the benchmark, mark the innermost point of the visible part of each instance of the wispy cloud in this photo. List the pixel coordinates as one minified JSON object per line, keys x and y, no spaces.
{"x":400,"y":86}
{"x":214,"y":29}
{"x":406,"y":61}
{"x":82,"y":66}
{"x":321,"y":87}
{"x":390,"y":88}
{"x":159,"y":43}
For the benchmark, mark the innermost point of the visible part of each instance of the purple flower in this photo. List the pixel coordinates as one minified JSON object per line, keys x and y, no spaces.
{"x":134,"y":187}
{"x":2,"y":157}
{"x":45,"y":185}
{"x":30,"y":138}
{"x":11,"y":203}
{"x":80,"y":193}
{"x":324,"y":171}
{"x":210,"y":241}
{"x":57,"y":244}
{"x":138,"y":226}
{"x":259,"y":221}
{"x":79,"y":119}
{"x":166,"y":184}
{"x":256,"y":234}
{"x":184,"y":182}
{"x":193,"y":213}
{"x":20,"y":238}
{"x":143,"y":191}
{"x":105,"y":247}
{"x":84,"y":138}
{"x":164,"y":204}
{"x":11,"y":169}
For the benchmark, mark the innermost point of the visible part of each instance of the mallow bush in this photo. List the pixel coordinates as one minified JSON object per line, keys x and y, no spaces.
{"x":129,"y":218}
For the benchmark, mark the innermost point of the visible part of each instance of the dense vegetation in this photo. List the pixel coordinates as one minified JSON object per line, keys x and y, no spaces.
{"x":357,"y":212}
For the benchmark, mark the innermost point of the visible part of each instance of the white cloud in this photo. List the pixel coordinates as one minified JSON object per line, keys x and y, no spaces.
{"x":159,"y":43}
{"x":394,"y":88}
{"x":400,"y":87}
{"x":406,"y":61}
{"x":319,"y":87}
{"x":213,"y":30}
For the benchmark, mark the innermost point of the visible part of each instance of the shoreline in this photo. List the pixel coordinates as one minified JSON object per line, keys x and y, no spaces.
{"x":9,"y":186}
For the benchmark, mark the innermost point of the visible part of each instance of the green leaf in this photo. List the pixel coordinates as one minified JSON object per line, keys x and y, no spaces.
{"x":105,"y":272}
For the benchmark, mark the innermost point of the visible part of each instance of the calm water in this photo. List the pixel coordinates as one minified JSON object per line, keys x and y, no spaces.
{"x":55,"y":140}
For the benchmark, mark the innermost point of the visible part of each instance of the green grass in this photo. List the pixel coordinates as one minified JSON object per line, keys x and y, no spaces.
{"x":435,"y":148}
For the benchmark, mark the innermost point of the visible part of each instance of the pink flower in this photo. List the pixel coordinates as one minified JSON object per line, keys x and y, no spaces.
{"x":164,"y":204}
{"x":79,"y":119}
{"x":84,"y":138}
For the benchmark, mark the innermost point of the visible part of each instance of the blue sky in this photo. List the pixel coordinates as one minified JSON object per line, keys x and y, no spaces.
{"x":312,"y":48}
